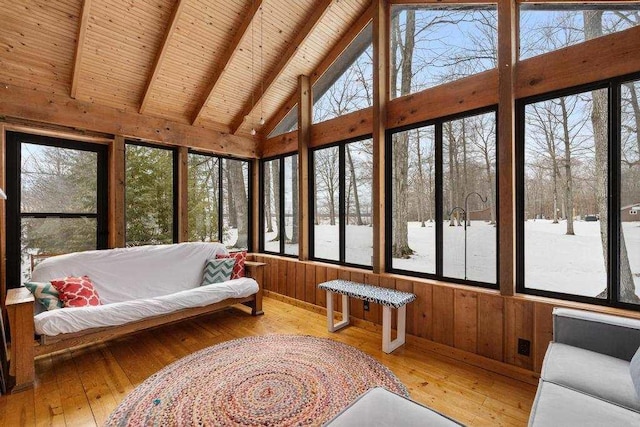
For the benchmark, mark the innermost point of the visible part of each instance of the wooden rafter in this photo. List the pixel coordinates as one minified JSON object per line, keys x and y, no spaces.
{"x":285,"y":59}
{"x":226,"y":59}
{"x":355,"y":29}
{"x":82,"y":32}
{"x":157,"y":64}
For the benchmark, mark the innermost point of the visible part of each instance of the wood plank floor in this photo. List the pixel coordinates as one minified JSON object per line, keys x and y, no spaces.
{"x":81,"y":387}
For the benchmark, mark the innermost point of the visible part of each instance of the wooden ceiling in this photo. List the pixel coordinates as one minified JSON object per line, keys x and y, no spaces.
{"x":190,"y":61}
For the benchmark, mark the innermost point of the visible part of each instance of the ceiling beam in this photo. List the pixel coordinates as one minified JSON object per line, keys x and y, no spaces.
{"x":226,"y":59}
{"x":38,"y":106}
{"x":82,"y":34}
{"x":157,"y":64}
{"x":285,"y":58}
{"x":337,"y":50}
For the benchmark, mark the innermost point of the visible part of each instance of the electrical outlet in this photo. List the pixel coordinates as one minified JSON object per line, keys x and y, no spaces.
{"x":366,"y":305}
{"x":524,"y":347}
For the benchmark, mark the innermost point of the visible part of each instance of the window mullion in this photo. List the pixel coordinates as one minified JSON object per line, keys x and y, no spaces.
{"x":342,"y":215}
{"x":613,"y":224}
{"x":438,"y":194}
{"x":281,"y":225}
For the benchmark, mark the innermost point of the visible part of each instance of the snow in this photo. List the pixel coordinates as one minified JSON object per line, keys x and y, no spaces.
{"x":553,"y":261}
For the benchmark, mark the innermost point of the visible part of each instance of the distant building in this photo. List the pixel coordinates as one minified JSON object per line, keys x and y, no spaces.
{"x":630,"y":213}
{"x":480,"y":215}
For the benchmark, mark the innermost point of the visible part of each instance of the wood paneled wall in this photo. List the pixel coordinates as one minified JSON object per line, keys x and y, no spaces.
{"x":473,"y":321}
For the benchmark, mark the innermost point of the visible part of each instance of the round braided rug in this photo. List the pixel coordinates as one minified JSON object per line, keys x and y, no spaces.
{"x":262,"y":381}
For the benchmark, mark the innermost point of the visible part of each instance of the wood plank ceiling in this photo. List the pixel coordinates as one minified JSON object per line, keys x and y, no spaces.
{"x":191,"y":61}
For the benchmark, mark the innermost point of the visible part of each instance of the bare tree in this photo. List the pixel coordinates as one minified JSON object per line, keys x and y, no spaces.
{"x":356,"y":199}
{"x":599,"y":115}
{"x":402,"y":42}
{"x":239,"y":200}
{"x":294,"y":200}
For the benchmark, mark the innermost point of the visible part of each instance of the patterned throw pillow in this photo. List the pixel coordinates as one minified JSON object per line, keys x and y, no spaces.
{"x":238,"y":268}
{"x":217,"y":271}
{"x":45,"y":294}
{"x":76,"y":291}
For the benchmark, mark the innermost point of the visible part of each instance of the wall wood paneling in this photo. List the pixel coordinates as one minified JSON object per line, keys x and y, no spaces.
{"x":476,"y":325}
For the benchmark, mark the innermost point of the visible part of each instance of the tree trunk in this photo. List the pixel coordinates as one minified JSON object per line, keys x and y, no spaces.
{"x":356,"y":199}
{"x":240,"y":201}
{"x":267,"y":199}
{"x":231,"y":208}
{"x":593,"y":29}
{"x":636,"y":111}
{"x":452,"y":183}
{"x":487,"y":165}
{"x":568,"y":189}
{"x":294,"y":200}
{"x":400,"y":242}
{"x":421,"y":188}
{"x":465,"y":184}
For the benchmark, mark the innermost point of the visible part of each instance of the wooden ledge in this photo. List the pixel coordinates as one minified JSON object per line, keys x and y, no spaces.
{"x":19,"y":296}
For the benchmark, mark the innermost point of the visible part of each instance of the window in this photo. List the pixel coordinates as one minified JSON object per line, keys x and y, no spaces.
{"x":442,"y":205}
{"x":545,"y":28}
{"x":56,"y":202}
{"x":432,"y":45}
{"x":150,"y":183}
{"x":578,"y":203}
{"x":219,"y":188}
{"x":279,"y":205}
{"x":341,"y":196}
{"x":347,"y":85}
{"x":629,"y":268}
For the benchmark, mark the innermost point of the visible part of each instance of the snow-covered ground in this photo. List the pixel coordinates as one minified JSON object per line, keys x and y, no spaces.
{"x":573,"y":264}
{"x":553,"y":260}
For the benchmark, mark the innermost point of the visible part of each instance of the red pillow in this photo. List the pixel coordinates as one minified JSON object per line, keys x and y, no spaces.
{"x":76,"y":291}
{"x":238,"y":267}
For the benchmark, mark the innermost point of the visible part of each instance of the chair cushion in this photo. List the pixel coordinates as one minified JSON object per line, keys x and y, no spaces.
{"x":238,"y":267}
{"x":634,"y":370}
{"x":45,"y":294}
{"x":560,"y":406}
{"x":76,"y":291}
{"x":379,"y":407}
{"x":601,"y":376}
{"x":217,"y":271}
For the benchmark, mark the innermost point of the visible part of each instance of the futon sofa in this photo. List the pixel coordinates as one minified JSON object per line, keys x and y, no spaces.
{"x":138,"y":288}
{"x":591,"y":372}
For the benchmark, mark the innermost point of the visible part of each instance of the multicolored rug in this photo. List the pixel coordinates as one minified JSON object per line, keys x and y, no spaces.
{"x":258,"y":381}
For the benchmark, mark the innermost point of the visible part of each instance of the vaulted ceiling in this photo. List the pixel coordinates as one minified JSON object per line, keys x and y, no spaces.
{"x":219,"y":64}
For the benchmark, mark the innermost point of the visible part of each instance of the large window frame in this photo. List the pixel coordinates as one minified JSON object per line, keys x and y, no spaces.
{"x":14,"y":212}
{"x":342,"y":213}
{"x":281,"y":205}
{"x":613,"y":87}
{"x":175,"y":184}
{"x":221,"y":202}
{"x":439,"y":203}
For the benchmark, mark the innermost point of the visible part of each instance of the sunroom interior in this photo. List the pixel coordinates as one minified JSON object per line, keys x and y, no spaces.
{"x":481,"y":155}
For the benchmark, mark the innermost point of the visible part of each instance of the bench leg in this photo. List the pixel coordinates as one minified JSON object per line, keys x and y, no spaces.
{"x":345,"y":313}
{"x":387,"y":345}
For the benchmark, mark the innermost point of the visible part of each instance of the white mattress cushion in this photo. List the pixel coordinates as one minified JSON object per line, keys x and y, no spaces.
{"x":131,"y":273}
{"x":68,"y":320}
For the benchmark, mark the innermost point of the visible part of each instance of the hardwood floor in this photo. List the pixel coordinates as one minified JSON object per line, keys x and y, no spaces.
{"x":82,"y":387}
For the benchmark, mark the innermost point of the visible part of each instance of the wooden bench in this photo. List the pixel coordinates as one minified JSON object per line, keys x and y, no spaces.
{"x":388,"y":298}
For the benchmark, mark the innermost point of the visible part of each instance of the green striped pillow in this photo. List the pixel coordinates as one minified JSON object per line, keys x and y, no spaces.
{"x":217,"y":271}
{"x":45,"y":294}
